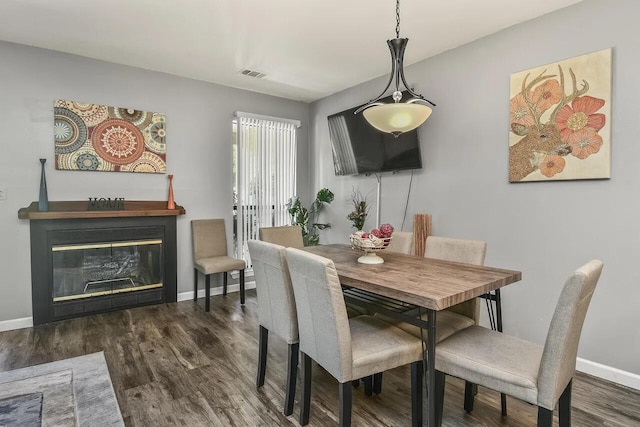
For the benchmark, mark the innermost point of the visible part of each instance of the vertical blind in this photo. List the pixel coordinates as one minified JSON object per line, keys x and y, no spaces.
{"x":266,"y":173}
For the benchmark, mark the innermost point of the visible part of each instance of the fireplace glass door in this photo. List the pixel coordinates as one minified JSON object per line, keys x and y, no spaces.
{"x":89,"y":270}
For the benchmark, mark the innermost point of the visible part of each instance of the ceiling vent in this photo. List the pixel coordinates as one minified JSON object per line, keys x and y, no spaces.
{"x":251,"y":73}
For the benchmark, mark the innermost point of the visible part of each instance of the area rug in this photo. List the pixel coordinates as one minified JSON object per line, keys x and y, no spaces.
{"x":69,"y":392}
{"x":25,"y":410}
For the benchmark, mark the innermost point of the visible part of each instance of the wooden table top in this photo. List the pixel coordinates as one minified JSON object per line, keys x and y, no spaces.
{"x":430,"y":283}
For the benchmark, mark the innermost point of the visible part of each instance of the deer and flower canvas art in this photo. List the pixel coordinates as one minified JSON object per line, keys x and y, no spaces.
{"x":559,"y":117}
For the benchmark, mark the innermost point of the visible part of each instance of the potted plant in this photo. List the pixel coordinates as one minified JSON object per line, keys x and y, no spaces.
{"x":306,"y":218}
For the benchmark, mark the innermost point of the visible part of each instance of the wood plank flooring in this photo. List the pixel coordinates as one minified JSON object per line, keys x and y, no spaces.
{"x":176,"y":364}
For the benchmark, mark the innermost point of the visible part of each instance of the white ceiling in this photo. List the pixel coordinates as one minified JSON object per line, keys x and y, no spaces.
{"x":308,"y":49}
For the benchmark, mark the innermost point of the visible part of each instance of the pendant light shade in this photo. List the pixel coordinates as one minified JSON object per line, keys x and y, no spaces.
{"x":397,"y":117}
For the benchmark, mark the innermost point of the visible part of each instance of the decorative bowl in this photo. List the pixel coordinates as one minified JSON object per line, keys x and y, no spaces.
{"x":369,"y":245}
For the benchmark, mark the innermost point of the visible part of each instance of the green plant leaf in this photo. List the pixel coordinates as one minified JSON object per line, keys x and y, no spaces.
{"x":302,"y":216}
{"x":325,"y":196}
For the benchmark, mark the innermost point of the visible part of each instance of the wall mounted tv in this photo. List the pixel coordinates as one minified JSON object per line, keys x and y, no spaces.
{"x":359,"y":148}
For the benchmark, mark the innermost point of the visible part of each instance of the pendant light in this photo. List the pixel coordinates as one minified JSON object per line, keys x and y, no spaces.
{"x":397,"y":117}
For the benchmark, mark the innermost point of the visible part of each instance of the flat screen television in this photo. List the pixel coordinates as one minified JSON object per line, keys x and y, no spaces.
{"x":359,"y":148}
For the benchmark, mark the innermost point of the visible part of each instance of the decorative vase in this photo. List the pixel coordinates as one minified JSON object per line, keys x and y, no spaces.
{"x":43,"y":200}
{"x":171,"y":204}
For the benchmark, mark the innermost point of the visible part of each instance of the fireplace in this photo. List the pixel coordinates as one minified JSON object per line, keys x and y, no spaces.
{"x":89,"y":270}
{"x":85,"y":262}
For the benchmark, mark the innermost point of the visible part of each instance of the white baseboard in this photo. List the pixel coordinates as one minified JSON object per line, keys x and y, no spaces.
{"x":184,"y":296}
{"x":9,"y":325}
{"x":615,"y":375}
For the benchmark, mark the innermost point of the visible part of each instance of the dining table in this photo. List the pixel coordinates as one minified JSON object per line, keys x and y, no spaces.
{"x":407,"y":286}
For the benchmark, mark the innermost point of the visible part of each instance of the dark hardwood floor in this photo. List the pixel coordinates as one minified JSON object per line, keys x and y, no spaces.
{"x":176,"y":364}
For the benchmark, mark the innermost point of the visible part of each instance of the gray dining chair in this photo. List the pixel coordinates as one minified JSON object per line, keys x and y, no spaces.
{"x":276,"y":311}
{"x":289,"y":236}
{"x":347,"y":349}
{"x":457,"y":317}
{"x":462,"y":315}
{"x":401,"y":242}
{"x":210,"y":256}
{"x":539,"y":375}
{"x":465,"y":314}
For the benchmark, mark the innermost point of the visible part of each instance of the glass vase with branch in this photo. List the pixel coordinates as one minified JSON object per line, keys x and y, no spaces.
{"x":360,"y":210}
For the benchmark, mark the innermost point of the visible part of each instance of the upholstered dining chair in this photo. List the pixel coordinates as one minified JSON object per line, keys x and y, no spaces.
{"x":210,"y":256}
{"x":540,"y":375}
{"x":401,"y":242}
{"x":467,"y":251}
{"x":276,"y":311}
{"x":346,"y":348}
{"x":462,"y":315}
{"x":289,"y":236}
{"x":457,"y":317}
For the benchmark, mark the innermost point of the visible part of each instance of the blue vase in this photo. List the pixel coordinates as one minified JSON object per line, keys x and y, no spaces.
{"x":43,"y":200}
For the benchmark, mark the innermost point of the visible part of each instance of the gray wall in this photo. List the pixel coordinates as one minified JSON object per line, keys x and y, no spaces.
{"x":543,"y":229}
{"x":198,"y":148}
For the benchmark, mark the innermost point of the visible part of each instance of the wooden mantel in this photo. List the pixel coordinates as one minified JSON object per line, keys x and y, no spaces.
{"x":80,"y":209}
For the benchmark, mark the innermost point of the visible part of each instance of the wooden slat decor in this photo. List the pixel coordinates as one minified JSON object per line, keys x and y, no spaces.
{"x":421,"y":230}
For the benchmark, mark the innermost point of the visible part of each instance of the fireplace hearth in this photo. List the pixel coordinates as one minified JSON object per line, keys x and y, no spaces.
{"x":85,"y":262}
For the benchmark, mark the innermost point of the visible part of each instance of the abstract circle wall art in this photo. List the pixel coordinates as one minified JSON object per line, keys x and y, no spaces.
{"x":92,"y":137}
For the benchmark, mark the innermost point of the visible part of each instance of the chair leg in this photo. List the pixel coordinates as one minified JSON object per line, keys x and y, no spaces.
{"x":368,"y":385}
{"x":440,"y":383}
{"x":224,"y":283}
{"x":292,"y":373}
{"x":346,"y":398}
{"x":355,"y":383}
{"x":564,"y":407}
{"x":207,"y":293}
{"x":305,"y":392}
{"x":377,"y":383}
{"x":545,"y":417}
{"x":195,"y":284}
{"x":503,"y":404}
{"x":242,"y":287}
{"x":468,"y":396}
{"x":417,"y":371}
{"x":263,"y":340}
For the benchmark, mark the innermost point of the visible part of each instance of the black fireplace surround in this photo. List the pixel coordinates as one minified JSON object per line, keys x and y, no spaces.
{"x":98,"y":293}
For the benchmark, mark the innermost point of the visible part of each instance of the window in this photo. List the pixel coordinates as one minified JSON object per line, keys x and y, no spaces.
{"x":265,"y":175}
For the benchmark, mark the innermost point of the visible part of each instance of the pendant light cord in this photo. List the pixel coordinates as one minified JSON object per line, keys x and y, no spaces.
{"x":396,"y":47}
{"x":397,"y":19}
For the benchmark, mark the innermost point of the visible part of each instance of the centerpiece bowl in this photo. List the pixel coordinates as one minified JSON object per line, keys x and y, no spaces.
{"x":370,"y":245}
